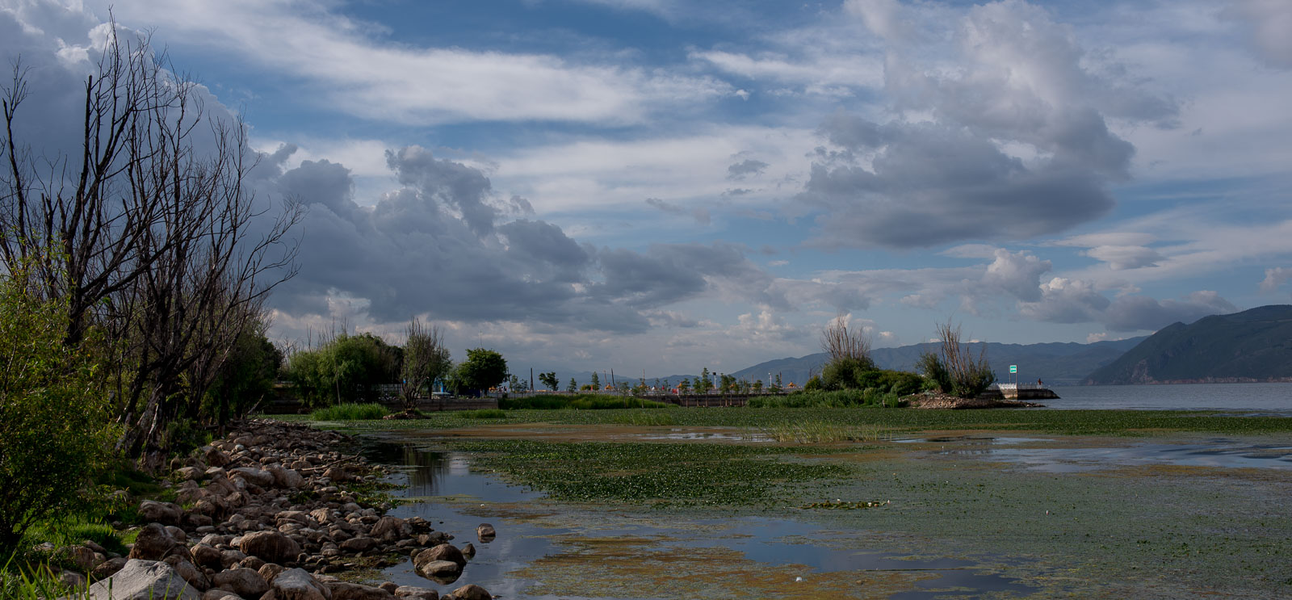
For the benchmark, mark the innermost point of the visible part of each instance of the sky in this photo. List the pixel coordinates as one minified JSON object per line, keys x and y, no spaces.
{"x":660,"y":186}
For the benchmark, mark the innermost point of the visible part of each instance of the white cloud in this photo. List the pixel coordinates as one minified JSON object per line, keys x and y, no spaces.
{"x":1274,"y":279}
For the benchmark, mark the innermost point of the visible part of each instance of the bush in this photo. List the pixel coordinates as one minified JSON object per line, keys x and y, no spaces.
{"x":347,"y":368}
{"x":579,"y":401}
{"x":870,"y":397}
{"x":350,"y":412}
{"x":55,"y":427}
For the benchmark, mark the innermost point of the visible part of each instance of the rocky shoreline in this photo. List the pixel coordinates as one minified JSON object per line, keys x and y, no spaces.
{"x":274,"y":512}
{"x":947,"y":401}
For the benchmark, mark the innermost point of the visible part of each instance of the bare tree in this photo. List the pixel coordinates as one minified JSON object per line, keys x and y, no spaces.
{"x":843,"y":342}
{"x":426,"y":359}
{"x":152,"y":231}
{"x":965,"y":376}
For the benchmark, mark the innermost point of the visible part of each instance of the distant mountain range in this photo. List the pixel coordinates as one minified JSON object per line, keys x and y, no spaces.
{"x":1253,"y":345}
{"x":1055,"y":363}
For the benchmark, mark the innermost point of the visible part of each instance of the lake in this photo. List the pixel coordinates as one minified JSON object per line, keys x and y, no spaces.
{"x":1265,"y":398}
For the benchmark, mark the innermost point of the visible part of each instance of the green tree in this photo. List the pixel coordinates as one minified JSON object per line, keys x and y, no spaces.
{"x":573,"y":387}
{"x":346,"y":368}
{"x":777,"y":385}
{"x":481,"y":370}
{"x":54,"y":414}
{"x":684,"y":387}
{"x":550,"y":380}
{"x":705,"y":384}
{"x":596,"y":382}
{"x":758,"y":386}
{"x":246,"y":378}
{"x":426,"y":360}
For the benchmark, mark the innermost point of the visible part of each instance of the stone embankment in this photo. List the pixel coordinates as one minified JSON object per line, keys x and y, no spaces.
{"x":274,"y":511}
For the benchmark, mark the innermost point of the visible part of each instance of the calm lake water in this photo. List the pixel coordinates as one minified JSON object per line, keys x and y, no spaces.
{"x":1264,"y":398}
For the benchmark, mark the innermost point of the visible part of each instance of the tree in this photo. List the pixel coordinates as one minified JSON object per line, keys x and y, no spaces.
{"x":758,"y":386}
{"x":705,"y":384}
{"x":483,"y":369}
{"x":684,"y":387}
{"x":572,"y":387}
{"x":550,"y":380}
{"x":246,"y":378}
{"x":55,"y":428}
{"x":844,"y":343}
{"x":954,"y":370}
{"x":777,"y":386}
{"x":596,"y":382}
{"x":426,"y":359}
{"x":152,"y":223}
{"x":726,"y":383}
{"x":345,"y":368}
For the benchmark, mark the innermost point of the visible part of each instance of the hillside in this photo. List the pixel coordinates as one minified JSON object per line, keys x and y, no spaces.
{"x":1057,"y":363}
{"x":1253,"y":345}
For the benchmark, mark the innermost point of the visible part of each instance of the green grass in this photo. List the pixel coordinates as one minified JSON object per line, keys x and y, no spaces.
{"x":658,"y":474}
{"x":578,"y":402}
{"x":905,"y":421}
{"x":350,"y":412}
{"x":487,"y":413}
{"x":648,"y":418}
{"x":870,"y":397}
{"x":816,"y":432}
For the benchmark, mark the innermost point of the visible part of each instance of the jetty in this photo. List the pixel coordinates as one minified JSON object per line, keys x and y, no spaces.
{"x":1024,"y":391}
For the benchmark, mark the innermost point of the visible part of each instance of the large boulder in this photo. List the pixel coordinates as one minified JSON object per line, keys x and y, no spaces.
{"x":296,"y":584}
{"x":285,"y":478}
{"x":219,"y":594}
{"x":190,"y":572}
{"x":243,"y":582}
{"x":486,"y":533}
{"x":353,"y":591}
{"x":108,"y":568}
{"x":439,"y":571}
{"x":405,"y":592}
{"x":442,"y":552}
{"x":270,"y":546}
{"x":390,"y":529}
{"x":160,"y":512}
{"x":214,"y":456}
{"x":257,"y":477}
{"x":144,"y":580}
{"x":154,"y":543}
{"x":470,"y":592}
{"x":359,"y":544}
{"x":208,"y":557}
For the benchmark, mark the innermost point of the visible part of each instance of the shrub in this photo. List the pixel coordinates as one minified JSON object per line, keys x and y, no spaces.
{"x":350,"y":412}
{"x":54,"y":415}
{"x":870,"y":397}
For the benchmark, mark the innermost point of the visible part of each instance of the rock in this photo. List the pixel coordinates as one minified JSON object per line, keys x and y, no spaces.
{"x":338,"y":473}
{"x":406,"y":592}
{"x":188,"y":473}
{"x":229,"y":558}
{"x":214,"y":456}
{"x":442,"y":571}
{"x":359,"y":544}
{"x":187,"y":570}
{"x":469,"y":551}
{"x":270,"y":571}
{"x":389,"y":529}
{"x":177,"y":533}
{"x":219,"y":594}
{"x":251,"y":562}
{"x":322,"y":516}
{"x":486,"y":533}
{"x":72,"y":579}
{"x":144,"y":580}
{"x":108,"y":568}
{"x":85,"y":558}
{"x":243,"y":582}
{"x":296,"y":516}
{"x":470,"y":592}
{"x":256,"y":477}
{"x":207,"y":556}
{"x":442,"y":552}
{"x":154,"y":543}
{"x":389,"y":586}
{"x":160,"y":512}
{"x":296,"y":584}
{"x":353,"y":591}
{"x":270,"y":546}
{"x":285,"y":478}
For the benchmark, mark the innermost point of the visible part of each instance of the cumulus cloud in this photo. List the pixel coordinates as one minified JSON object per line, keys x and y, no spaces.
{"x":1274,"y":279}
{"x":745,"y":168}
{"x":1270,"y":22}
{"x":1009,"y":142}
{"x":1125,"y":257}
{"x":1077,"y":301}
{"x":701,"y":215}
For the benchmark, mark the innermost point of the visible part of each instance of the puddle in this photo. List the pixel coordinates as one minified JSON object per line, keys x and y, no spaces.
{"x":449,"y":490}
{"x":707,"y":436}
{"x":1220,"y":453}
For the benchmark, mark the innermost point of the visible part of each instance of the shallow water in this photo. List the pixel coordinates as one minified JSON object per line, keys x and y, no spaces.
{"x":1259,"y":398}
{"x":448,"y":490}
{"x":1061,"y":458}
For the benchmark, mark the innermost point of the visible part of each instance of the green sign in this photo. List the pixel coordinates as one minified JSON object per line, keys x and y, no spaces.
{"x":1013,"y":368}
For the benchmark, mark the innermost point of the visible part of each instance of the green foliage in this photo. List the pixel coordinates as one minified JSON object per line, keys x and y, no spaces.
{"x":486,"y":413}
{"x":869,"y":397}
{"x":935,"y":373}
{"x":646,"y":418}
{"x":550,"y":380}
{"x":345,"y":369}
{"x":481,"y":370}
{"x":184,"y":435}
{"x":54,"y":415}
{"x":572,"y":387}
{"x":596,"y":381}
{"x":814,"y":384}
{"x":578,"y":402}
{"x":350,"y":412}
{"x":246,"y":378}
{"x":817,"y":432}
{"x":657,"y":474}
{"x":425,"y":361}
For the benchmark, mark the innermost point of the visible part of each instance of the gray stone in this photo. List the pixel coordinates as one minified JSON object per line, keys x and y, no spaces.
{"x":219,"y":594}
{"x":406,"y":592}
{"x":439,"y":570}
{"x":153,"y":543}
{"x":160,"y":512}
{"x":296,"y":584}
{"x":207,"y":556}
{"x":270,"y":546}
{"x":257,"y":477}
{"x":471,"y":592}
{"x":243,"y":582}
{"x":442,"y":552}
{"x":108,"y":568}
{"x":389,"y":529}
{"x":144,"y":580}
{"x":486,"y":533}
{"x":190,"y":572}
{"x":359,"y":544}
{"x":353,"y":591}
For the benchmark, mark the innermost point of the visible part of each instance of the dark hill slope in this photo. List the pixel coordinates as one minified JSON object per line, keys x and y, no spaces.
{"x":1251,"y":345}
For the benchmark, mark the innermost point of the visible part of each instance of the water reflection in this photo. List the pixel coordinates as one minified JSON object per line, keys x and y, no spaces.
{"x":1218,"y":452}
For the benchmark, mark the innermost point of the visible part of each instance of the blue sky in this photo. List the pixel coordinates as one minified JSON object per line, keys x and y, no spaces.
{"x":668,"y":185}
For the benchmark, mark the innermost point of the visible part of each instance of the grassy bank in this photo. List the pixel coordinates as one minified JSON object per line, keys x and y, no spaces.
{"x":905,"y":421}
